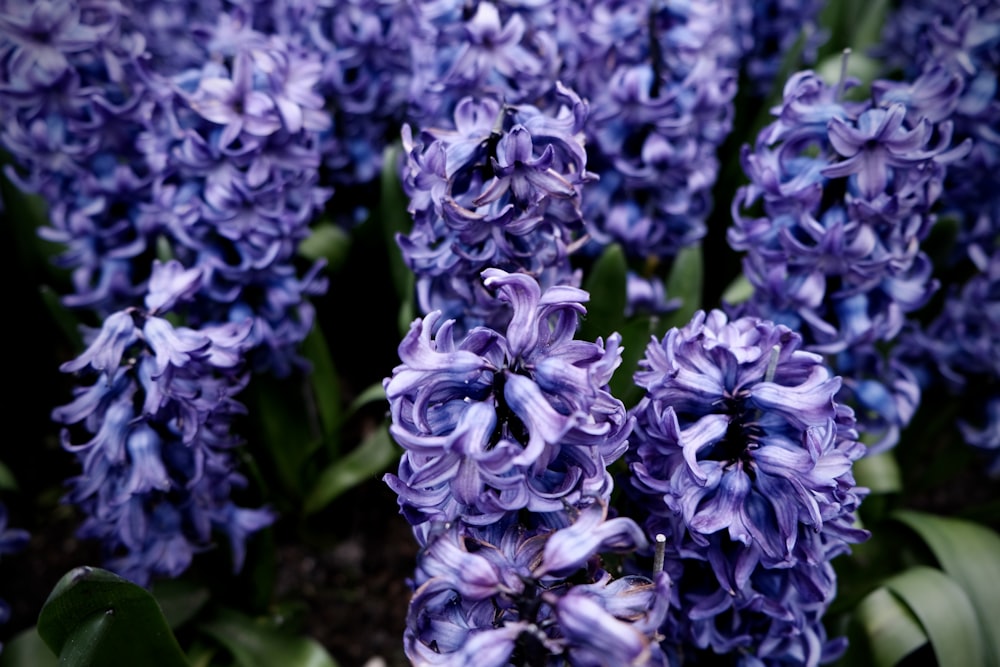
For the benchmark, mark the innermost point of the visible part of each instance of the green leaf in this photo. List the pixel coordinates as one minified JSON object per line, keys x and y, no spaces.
{"x":394,"y":218}
{"x":636,"y":334}
{"x":945,"y":612}
{"x":27,"y":649}
{"x":180,"y":600}
{"x":96,"y":618}
{"x":738,"y":291}
{"x":685,"y":282}
{"x":970,"y":554}
{"x":606,"y":284}
{"x":7,"y":480}
{"x":259,"y":643}
{"x":284,"y":428}
{"x":326,"y":241}
{"x":880,"y":473}
{"x":891,"y":629}
{"x":371,"y":457}
{"x":325,"y":385}
{"x":370,"y":395}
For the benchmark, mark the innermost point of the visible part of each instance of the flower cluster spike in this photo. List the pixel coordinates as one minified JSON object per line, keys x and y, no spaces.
{"x":494,"y":423}
{"x":154,"y":436}
{"x":501,"y":595}
{"x":660,"y":78}
{"x":743,"y":458}
{"x":498,"y":186}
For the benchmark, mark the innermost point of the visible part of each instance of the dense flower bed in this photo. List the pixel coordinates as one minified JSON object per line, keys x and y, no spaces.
{"x":665,"y":322}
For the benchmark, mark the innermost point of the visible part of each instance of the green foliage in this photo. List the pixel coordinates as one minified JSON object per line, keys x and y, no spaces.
{"x":259,"y":642}
{"x":94,"y":617}
{"x":372,"y":456}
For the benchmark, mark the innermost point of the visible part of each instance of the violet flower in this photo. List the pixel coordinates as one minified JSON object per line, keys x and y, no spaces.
{"x":489,"y":594}
{"x":743,"y":461}
{"x":496,"y":422}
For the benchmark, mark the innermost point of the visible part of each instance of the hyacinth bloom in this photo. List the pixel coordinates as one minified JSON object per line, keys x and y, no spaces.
{"x":499,"y":421}
{"x":503,"y":594}
{"x":743,"y":460}
{"x":478,"y":49}
{"x":153,"y":436}
{"x":500,"y":186}
{"x":660,"y":80}
{"x":841,"y":195}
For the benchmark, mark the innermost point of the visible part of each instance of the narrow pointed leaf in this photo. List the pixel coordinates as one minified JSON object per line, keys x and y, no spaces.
{"x":685,"y":282}
{"x":970,"y":554}
{"x":326,"y":241}
{"x":890,"y":627}
{"x":944,"y":611}
{"x":606,"y":284}
{"x":27,"y":649}
{"x":880,"y":473}
{"x":325,"y":385}
{"x":258,"y":643}
{"x":365,"y":462}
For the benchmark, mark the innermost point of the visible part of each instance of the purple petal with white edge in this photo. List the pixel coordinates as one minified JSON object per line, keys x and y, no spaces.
{"x":472,"y":575}
{"x":568,"y":549}
{"x":545,"y":425}
{"x":106,"y":350}
{"x":585,"y":623}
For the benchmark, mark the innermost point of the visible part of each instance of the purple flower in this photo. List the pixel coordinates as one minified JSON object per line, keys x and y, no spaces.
{"x":496,"y":422}
{"x":157,"y":471}
{"x":743,"y":462}
{"x":493,"y":589}
{"x":660,"y":83}
{"x":499,"y":186}
{"x":739,"y":432}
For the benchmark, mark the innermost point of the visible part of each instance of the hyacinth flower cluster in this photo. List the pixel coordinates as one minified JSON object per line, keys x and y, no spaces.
{"x":841,"y":195}
{"x":503,"y":594}
{"x":507,"y":436}
{"x":495,"y":422}
{"x":948,"y":42}
{"x":742,"y":459}
{"x":497,"y":187}
{"x":962,"y":345}
{"x":480,"y":49}
{"x":959,"y":45}
{"x":771,"y":30}
{"x":207,"y":154}
{"x":153,"y":433}
{"x":660,"y":79}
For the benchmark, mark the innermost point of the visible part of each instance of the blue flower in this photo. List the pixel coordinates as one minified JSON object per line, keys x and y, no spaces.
{"x":157,"y":470}
{"x":496,"y":422}
{"x":743,"y":462}
{"x":507,"y":594}
{"x":498,"y":186}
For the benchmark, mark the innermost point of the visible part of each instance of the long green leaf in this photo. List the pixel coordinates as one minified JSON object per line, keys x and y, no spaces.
{"x":606,"y":284}
{"x":891,"y":630}
{"x":371,"y":457}
{"x":685,"y":282}
{"x":284,"y":427}
{"x":258,"y":643}
{"x":325,"y":385}
{"x":393,"y":216}
{"x":94,"y":618}
{"x":879,"y":473}
{"x":327,"y":241}
{"x":970,"y":554}
{"x":944,"y":611}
